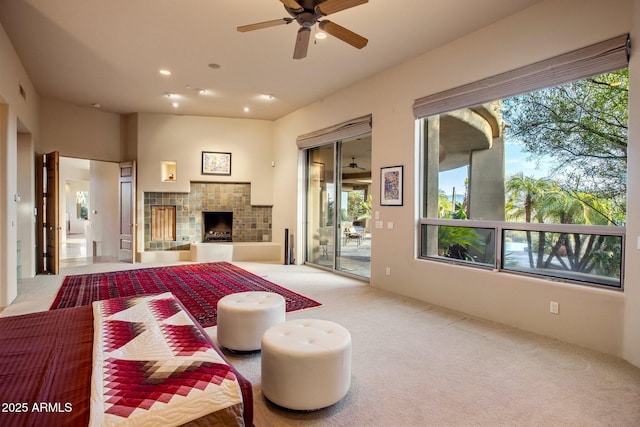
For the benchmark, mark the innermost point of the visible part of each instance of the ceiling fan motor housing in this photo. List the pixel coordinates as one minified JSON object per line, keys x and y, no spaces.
{"x":308,"y":13}
{"x":307,"y":5}
{"x":306,"y":19}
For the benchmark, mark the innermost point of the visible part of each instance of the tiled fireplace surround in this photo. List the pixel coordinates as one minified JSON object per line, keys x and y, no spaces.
{"x":250,"y":223}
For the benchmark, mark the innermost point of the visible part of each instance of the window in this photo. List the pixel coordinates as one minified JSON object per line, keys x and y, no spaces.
{"x":532,"y":178}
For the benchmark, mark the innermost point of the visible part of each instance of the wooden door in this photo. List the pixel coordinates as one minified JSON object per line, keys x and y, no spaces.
{"x":127,"y":210}
{"x":48,"y":206}
{"x":163,"y":223}
{"x":40,"y":179}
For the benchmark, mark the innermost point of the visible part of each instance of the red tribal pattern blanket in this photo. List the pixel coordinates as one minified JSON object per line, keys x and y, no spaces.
{"x":154,"y":366}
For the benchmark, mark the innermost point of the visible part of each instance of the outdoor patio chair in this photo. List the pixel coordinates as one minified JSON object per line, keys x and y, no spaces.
{"x":350,"y":233}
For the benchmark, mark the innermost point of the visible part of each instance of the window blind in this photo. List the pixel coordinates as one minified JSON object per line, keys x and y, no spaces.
{"x":599,"y":58}
{"x":349,"y":129}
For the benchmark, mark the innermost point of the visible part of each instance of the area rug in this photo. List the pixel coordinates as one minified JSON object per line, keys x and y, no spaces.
{"x":197,"y":286}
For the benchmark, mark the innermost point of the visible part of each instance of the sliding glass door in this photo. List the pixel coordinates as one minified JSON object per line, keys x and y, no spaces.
{"x":338,"y":206}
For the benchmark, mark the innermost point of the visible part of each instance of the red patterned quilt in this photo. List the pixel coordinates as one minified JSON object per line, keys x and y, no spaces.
{"x":152,"y":365}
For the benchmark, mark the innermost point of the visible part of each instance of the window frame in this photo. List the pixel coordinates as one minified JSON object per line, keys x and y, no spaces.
{"x":599,"y":58}
{"x":500,"y":226}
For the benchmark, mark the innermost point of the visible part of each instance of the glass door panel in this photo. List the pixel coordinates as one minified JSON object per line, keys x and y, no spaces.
{"x":321,"y":205}
{"x":354,"y":181}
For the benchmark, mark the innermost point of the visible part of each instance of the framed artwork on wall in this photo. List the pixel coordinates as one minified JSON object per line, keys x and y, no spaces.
{"x":216,"y":163}
{"x":391,"y":186}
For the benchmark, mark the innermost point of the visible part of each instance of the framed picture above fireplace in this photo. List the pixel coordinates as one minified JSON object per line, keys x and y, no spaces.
{"x":216,"y":163}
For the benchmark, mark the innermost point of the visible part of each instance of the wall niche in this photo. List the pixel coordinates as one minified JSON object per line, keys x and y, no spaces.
{"x":168,"y":171}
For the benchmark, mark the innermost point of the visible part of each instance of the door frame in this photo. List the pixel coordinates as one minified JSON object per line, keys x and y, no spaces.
{"x":127,"y":212}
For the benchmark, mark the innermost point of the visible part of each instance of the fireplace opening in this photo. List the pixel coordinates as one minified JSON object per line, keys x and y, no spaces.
{"x":218,"y":226}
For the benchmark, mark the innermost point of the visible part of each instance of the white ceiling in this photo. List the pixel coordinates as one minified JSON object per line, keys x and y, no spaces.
{"x":110,"y":51}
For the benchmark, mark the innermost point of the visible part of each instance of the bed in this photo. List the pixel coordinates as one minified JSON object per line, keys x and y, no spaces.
{"x":128,"y":361}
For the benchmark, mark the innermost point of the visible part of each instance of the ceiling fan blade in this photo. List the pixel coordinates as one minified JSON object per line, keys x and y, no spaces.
{"x":266,"y":24}
{"x":292,"y":4}
{"x":302,"y":43}
{"x":332,"y":6}
{"x":343,"y":34}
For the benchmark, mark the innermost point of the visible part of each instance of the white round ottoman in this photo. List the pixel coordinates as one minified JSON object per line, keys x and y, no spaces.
{"x":306,"y":364}
{"x":244,"y":316}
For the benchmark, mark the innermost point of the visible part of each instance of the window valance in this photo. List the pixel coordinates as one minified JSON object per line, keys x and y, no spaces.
{"x":349,"y":129}
{"x":599,"y":58}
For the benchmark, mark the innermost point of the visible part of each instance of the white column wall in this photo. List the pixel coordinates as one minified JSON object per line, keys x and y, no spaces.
{"x":25,"y":213}
{"x":102,"y":214}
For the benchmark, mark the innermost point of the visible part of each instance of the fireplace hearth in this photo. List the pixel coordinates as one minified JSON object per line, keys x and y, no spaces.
{"x":218,"y":227}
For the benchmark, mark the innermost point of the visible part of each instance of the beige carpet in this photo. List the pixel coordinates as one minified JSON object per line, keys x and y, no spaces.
{"x":415,"y":364}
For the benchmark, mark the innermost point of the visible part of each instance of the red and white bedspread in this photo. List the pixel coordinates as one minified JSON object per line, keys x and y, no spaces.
{"x":154,"y":366}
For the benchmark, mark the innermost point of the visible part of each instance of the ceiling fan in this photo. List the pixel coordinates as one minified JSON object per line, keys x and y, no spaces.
{"x":309,"y":12}
{"x":354,"y":165}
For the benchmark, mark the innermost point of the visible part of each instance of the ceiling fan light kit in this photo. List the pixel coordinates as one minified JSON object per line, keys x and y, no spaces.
{"x":307,"y":13}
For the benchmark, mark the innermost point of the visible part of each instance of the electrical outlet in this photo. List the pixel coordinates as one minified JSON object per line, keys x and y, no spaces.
{"x":388,"y":271}
{"x":554,"y":307}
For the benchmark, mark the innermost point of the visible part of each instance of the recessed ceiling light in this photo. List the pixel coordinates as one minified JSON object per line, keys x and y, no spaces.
{"x":95,"y":105}
{"x":201,"y":91}
{"x":268,"y":97}
{"x":214,"y":66}
{"x":320,"y":35}
{"x":175,"y":104}
{"x":169,"y":94}
{"x":246,"y":109}
{"x":165,"y":72}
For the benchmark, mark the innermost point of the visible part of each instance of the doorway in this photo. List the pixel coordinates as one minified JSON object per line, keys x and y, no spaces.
{"x":88,"y":195}
{"x":74,"y":210}
{"x":338,"y":234}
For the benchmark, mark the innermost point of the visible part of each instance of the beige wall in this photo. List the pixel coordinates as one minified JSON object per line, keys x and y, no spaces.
{"x":631,"y":350}
{"x":604,"y":320}
{"x":16,"y":114}
{"x":81,"y":132}
{"x":590,"y":317}
{"x":163,"y":137}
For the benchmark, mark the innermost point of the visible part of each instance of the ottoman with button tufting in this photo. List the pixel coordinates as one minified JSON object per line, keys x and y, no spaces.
{"x":306,"y":364}
{"x":244,"y":316}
